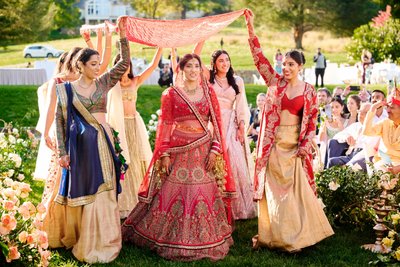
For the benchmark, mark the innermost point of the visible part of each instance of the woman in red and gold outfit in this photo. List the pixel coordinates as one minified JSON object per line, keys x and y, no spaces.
{"x":184,"y":200}
{"x":290,"y":215}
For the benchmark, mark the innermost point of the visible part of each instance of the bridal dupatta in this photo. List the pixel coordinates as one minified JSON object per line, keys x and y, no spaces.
{"x":154,"y":177}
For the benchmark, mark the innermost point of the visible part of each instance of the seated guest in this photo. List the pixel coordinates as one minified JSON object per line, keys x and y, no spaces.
{"x":165,"y":76}
{"x":353,"y":105}
{"x":323,"y":100}
{"x":255,"y":116}
{"x":352,"y":142}
{"x":389,"y":131}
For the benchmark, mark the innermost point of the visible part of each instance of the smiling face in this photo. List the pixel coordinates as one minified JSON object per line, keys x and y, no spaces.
{"x":291,"y":68}
{"x":352,"y":105}
{"x":336,"y":108}
{"x":222,"y":64}
{"x":191,"y":70}
{"x":92,"y":67}
{"x":261,"y":101}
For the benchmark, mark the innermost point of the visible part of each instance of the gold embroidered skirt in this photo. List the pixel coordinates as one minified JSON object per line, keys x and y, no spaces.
{"x":140,"y":155}
{"x":290,"y":215}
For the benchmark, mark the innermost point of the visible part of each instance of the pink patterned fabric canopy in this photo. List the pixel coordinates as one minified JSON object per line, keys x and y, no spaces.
{"x":176,"y":33}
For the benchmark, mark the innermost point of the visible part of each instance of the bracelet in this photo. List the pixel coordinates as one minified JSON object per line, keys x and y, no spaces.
{"x":87,"y":40}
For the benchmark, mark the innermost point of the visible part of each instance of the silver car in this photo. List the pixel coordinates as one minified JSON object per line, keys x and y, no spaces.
{"x":41,"y":51}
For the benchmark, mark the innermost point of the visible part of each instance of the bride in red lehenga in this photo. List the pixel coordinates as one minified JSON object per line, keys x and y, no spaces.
{"x":184,"y":210}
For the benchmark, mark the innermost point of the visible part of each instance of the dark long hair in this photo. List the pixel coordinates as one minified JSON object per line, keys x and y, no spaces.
{"x":130,"y":74}
{"x":69,"y":60}
{"x":84,"y":56}
{"x":229,"y":75}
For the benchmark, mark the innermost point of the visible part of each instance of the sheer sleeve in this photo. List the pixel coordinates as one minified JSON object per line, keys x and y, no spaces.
{"x":242,"y":109}
{"x":264,"y":67}
{"x":111,"y":77}
{"x":165,"y":123}
{"x":306,"y":144}
{"x":60,"y":131}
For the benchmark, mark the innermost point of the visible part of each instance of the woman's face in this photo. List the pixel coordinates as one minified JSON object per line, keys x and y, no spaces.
{"x":124,"y":77}
{"x":192,"y":70}
{"x":336,"y":108}
{"x":92,"y":67}
{"x":352,"y":105}
{"x":260,"y":102}
{"x":222,"y":64}
{"x":290,"y":68}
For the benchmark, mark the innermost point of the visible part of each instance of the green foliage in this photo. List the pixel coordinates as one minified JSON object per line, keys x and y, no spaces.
{"x":22,"y":21}
{"x":383,"y":42}
{"x":67,"y":14}
{"x":344,"y":192}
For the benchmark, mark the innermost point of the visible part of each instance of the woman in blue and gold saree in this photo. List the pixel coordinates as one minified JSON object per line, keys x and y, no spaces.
{"x":86,"y":216}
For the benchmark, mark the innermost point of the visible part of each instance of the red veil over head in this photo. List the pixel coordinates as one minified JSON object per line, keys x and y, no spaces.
{"x":154,"y":176}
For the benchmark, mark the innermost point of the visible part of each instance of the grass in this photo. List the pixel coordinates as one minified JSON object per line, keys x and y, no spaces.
{"x":342,"y":249}
{"x":235,"y":42}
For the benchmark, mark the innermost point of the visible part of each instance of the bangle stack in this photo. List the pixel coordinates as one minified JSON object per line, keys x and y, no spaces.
{"x":216,"y":147}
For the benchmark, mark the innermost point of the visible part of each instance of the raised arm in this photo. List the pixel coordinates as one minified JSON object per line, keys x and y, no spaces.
{"x":107,"y":51}
{"x":369,"y":128}
{"x":100,"y":42}
{"x":264,"y":67}
{"x":111,"y":77}
{"x":197,"y":50}
{"x":86,"y":36}
{"x":149,"y":70}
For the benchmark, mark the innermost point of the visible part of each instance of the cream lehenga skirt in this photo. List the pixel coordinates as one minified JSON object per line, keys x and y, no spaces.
{"x":290,"y":215}
{"x":140,"y":156}
{"x":92,"y":231}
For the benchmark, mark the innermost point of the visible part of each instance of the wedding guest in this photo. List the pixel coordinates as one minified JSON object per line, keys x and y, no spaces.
{"x":290,"y":215}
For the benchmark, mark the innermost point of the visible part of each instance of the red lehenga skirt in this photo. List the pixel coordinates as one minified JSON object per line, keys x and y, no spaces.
{"x":186,"y":220}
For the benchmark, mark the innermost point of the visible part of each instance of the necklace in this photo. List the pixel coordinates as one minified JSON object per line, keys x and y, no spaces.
{"x":221,"y":79}
{"x":79,"y":82}
{"x":190,"y":91}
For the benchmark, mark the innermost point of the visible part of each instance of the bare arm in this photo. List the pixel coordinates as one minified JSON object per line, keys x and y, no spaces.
{"x":153,"y":65}
{"x":107,"y":51}
{"x":100,"y":42}
{"x":197,"y":50}
{"x":86,"y":36}
{"x":50,"y":112}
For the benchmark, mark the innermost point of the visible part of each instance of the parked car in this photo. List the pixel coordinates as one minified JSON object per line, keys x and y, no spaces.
{"x":41,"y":51}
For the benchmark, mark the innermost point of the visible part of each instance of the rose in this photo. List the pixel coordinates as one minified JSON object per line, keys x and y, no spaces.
{"x":27,"y":209}
{"x":158,"y":112}
{"x":8,"y":223}
{"x":16,"y":158}
{"x":13,"y":254}
{"x":10,"y":173}
{"x":23,"y":236}
{"x":25,"y":189}
{"x":15,"y":131}
{"x":333,"y":186}
{"x":8,"y":193}
{"x":21,"y":177}
{"x":12,"y":139}
{"x":8,"y":205}
{"x":44,"y":255}
{"x":153,"y":116}
{"x":8,"y":182}
{"x":397,"y":254}
{"x":41,"y":208}
{"x":42,"y":239}
{"x":391,"y":234}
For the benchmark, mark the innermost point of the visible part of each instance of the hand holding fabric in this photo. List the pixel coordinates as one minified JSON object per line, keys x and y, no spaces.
{"x":166,"y":165}
{"x":210,"y":161}
{"x":240,"y":133}
{"x":64,"y":161}
{"x":249,"y":21}
{"x":122,"y":26}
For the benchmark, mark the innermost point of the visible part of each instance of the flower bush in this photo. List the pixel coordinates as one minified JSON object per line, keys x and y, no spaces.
{"x":344,"y":192}
{"x":21,"y":237}
{"x":17,"y":147}
{"x":152,"y":128}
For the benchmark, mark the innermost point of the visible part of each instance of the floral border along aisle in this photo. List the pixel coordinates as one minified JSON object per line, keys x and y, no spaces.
{"x":21,"y":237}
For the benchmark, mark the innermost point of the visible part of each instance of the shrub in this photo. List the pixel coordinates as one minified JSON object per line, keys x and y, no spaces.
{"x":383,"y":42}
{"x":345,"y":192}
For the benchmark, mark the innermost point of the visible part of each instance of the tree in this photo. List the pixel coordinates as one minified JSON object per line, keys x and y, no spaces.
{"x":383,"y":42}
{"x":24,"y":21}
{"x":338,"y":16}
{"x":149,"y":8}
{"x":67,"y":15}
{"x":395,"y":4}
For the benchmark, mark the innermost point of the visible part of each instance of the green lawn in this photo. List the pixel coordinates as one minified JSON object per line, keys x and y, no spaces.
{"x":342,"y":249}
